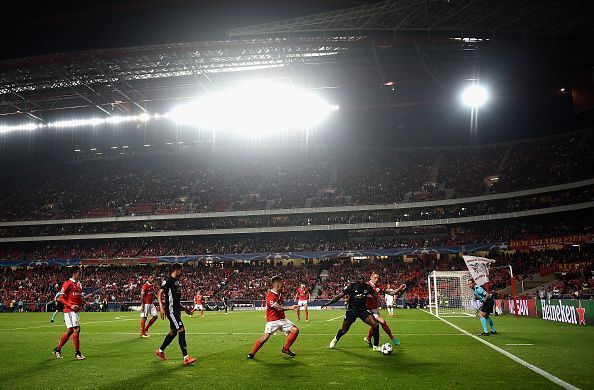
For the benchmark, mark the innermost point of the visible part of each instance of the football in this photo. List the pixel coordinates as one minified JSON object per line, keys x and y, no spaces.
{"x":387,"y":349}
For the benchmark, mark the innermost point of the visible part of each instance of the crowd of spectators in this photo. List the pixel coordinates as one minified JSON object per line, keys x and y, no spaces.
{"x":158,"y":183}
{"x":514,"y":204}
{"x":501,"y":231}
{"x":248,"y":281}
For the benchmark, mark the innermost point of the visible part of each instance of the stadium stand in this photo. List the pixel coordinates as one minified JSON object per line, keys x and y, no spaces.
{"x":156,"y":183}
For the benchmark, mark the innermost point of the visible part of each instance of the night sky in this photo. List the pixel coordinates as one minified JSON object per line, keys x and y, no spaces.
{"x":526,"y":101}
{"x":46,"y":27}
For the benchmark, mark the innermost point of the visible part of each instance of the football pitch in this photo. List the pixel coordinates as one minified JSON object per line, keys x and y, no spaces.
{"x":433,"y":354}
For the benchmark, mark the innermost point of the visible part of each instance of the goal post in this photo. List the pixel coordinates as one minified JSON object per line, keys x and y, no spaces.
{"x":449,"y":294}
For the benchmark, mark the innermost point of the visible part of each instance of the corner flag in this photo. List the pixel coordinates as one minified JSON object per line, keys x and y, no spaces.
{"x":478,"y":267}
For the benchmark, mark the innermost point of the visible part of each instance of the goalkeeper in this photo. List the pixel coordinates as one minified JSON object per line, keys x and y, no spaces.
{"x":486,"y":309}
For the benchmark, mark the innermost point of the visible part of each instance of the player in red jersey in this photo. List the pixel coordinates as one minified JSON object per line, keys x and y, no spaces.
{"x":198,"y":304}
{"x":147,"y":297}
{"x":276,"y":320}
{"x":302,"y":298}
{"x":71,"y":296}
{"x":373,"y":306}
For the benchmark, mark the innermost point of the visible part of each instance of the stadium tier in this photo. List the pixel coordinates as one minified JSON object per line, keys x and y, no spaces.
{"x":176,"y":183}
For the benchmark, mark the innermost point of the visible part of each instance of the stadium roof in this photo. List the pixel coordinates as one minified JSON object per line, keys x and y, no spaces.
{"x":131,"y":78}
{"x":549,"y":17}
{"x":139,"y":79}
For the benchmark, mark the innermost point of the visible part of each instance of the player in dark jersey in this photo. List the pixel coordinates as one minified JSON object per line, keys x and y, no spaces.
{"x":357,"y":294}
{"x":226,"y":303}
{"x":58,"y":306}
{"x":170,"y":305}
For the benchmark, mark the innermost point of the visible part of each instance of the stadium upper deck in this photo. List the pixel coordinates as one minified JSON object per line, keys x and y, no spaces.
{"x":179,"y":183}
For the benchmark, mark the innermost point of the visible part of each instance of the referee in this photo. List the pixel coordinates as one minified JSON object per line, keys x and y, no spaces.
{"x":170,"y":305}
{"x":486,"y":309}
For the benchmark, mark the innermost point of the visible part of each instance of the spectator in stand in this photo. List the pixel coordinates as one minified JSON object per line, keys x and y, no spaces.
{"x":156,"y":183}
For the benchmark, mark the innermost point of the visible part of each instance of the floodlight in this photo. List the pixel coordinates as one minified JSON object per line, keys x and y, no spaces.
{"x":255,"y":108}
{"x":474,"y":96}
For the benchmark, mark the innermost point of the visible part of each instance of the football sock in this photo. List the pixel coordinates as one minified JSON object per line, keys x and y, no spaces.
{"x":76,"y":341}
{"x":386,"y":329}
{"x":54,"y":315}
{"x":490,"y":322}
{"x":257,"y":346}
{"x":168,"y":339}
{"x":290,"y":340}
{"x":339,"y":334}
{"x":63,"y":340}
{"x":376,"y":336}
{"x":306,"y":314}
{"x":142,"y":324}
{"x":484,"y":324}
{"x":182,"y":343}
{"x":151,"y":322}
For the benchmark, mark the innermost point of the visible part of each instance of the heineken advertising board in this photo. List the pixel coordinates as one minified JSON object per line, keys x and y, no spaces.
{"x":570,"y":311}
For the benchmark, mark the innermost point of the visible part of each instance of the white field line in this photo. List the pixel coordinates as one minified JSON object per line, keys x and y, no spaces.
{"x":117,"y":319}
{"x":513,"y":357}
{"x":255,"y":333}
{"x":61,"y":324}
{"x":335,"y":318}
{"x":519,"y":344}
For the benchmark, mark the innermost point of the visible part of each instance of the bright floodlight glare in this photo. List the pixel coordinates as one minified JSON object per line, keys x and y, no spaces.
{"x":255,"y":108}
{"x":474,"y":96}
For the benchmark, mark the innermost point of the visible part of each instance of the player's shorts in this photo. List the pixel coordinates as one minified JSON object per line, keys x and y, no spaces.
{"x":72,"y":319}
{"x":352,"y":315}
{"x":487,"y":307}
{"x":389,"y":303}
{"x":175,"y":321}
{"x":278,"y":325}
{"x":149,"y":309}
{"x":302,"y":303}
{"x":198,"y":307}
{"x":375,"y":312}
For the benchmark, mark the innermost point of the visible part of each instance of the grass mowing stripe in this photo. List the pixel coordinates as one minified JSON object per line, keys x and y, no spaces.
{"x":513,"y":357}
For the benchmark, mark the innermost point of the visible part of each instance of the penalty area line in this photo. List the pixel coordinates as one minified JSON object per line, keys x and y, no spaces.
{"x":335,"y":318}
{"x":513,"y":357}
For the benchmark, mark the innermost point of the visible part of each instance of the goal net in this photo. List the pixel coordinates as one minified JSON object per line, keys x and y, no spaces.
{"x":449,"y":294}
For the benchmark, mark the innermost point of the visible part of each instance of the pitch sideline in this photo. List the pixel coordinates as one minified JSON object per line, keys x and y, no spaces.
{"x":513,"y":357}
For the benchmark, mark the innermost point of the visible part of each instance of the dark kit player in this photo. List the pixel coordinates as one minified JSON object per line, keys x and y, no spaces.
{"x":170,"y":305}
{"x":357,"y":294}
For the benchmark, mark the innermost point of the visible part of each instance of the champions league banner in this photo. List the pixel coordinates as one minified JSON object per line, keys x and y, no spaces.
{"x":271,"y":256}
{"x":39,"y":263}
{"x":329,"y":254}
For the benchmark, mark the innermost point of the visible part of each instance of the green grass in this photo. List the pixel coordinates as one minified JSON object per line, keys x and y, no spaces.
{"x":432,"y":355}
